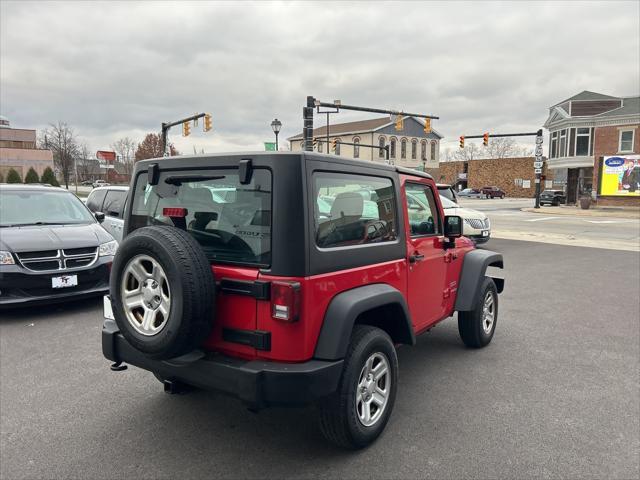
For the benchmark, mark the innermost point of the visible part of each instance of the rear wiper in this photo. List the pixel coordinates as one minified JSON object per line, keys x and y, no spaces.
{"x":180,"y":179}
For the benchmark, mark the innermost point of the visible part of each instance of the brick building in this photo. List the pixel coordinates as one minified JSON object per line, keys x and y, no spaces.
{"x":409,"y":147}
{"x":584,"y":131}
{"x":513,"y":175}
{"x":18,"y":150}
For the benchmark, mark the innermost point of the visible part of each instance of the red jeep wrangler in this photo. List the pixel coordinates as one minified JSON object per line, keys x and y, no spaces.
{"x":290,"y":278}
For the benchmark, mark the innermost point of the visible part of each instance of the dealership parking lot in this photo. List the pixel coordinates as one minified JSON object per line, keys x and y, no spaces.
{"x":555,"y":394}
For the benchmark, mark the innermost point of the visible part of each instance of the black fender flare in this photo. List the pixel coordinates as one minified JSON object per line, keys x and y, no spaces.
{"x":474,"y":269}
{"x":344,"y":309}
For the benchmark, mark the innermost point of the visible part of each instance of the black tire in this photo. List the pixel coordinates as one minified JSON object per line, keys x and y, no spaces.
{"x":191,"y":285}
{"x":470,"y":324}
{"x":339,"y":421}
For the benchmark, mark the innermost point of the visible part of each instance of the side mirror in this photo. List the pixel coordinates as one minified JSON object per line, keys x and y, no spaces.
{"x":99,"y":216}
{"x":452,"y":226}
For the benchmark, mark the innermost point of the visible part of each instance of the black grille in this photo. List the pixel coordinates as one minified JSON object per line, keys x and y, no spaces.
{"x":43,"y":265}
{"x":42,"y":254}
{"x":78,"y":262}
{"x":80,"y":251}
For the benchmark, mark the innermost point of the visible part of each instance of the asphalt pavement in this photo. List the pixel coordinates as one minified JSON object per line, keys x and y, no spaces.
{"x":555,"y":395}
{"x":508,"y":221}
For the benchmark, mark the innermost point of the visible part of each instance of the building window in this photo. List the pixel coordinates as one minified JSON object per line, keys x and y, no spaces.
{"x":392,"y":147}
{"x":381,"y":142}
{"x":338,"y":146}
{"x":403,"y":148}
{"x":414,"y":149}
{"x":423,"y":150}
{"x":582,"y":142}
{"x":563,"y":144}
{"x":626,"y":141}
{"x":433,"y":150}
{"x":356,"y":148}
{"x":553,"y":148}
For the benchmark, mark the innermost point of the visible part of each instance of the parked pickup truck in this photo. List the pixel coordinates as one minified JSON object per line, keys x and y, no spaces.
{"x":290,"y":278}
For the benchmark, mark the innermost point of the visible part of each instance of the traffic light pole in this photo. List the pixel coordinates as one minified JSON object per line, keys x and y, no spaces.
{"x":166,"y":126}
{"x":307,"y":115}
{"x":538,"y":153}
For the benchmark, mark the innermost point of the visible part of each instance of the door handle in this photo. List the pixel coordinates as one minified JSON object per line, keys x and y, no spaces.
{"x":416,"y":257}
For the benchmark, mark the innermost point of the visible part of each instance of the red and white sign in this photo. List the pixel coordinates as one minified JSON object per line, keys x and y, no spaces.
{"x":106,"y":156}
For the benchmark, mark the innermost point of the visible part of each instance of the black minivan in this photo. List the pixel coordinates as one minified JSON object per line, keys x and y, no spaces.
{"x":52,"y":248}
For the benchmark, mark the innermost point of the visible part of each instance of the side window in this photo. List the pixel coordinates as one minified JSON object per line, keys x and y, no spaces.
{"x":422,"y":210}
{"x":94,"y":202}
{"x":113,"y":203}
{"x":353,"y":210}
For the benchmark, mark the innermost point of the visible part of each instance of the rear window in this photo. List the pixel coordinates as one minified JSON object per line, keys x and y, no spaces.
{"x":232,"y":222}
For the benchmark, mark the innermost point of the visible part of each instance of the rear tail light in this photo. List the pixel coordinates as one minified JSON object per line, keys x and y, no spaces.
{"x":285,"y":301}
{"x":174,"y":212}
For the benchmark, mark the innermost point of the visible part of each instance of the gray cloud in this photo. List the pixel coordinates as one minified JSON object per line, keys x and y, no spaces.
{"x":113,"y":69}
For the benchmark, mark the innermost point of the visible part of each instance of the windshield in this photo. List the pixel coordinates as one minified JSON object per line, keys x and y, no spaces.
{"x":446,"y":203}
{"x":41,"y":207}
{"x":446,"y":192}
{"x":232,"y":222}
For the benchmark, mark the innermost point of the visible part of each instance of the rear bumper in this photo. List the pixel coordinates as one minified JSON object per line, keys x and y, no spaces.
{"x":258,"y":383}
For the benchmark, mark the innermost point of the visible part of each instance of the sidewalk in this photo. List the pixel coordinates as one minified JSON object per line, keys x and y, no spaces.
{"x":618,"y":212}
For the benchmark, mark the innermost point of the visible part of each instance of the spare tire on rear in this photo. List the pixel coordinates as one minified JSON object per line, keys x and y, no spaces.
{"x":162,"y":291}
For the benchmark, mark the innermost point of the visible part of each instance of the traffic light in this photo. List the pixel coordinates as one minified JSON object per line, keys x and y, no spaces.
{"x":186,"y":129}
{"x":399,"y":123}
{"x":427,"y":125}
{"x":485,"y":139}
{"x":208,"y":122}
{"x":334,"y":144}
{"x":461,"y":141}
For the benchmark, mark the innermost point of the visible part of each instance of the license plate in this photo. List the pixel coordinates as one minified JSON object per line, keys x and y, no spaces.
{"x":64,"y":281}
{"x":485,"y":233}
{"x":106,"y":307}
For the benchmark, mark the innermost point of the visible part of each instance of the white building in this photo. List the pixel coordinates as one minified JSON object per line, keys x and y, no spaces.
{"x":409,"y":147}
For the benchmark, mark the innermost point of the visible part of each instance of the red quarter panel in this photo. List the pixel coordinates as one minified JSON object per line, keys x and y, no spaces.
{"x":296,"y":341}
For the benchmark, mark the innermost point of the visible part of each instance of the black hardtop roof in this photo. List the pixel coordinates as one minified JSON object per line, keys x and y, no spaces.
{"x":184,"y":160}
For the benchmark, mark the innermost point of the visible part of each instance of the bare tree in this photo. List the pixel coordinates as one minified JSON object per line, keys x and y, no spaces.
{"x":125,"y":149}
{"x":61,"y":140}
{"x":84,"y":163}
{"x":503,"y":147}
{"x":470,"y":152}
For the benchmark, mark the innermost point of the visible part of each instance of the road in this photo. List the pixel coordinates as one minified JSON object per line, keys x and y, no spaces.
{"x":508,"y":221}
{"x":556,"y":394}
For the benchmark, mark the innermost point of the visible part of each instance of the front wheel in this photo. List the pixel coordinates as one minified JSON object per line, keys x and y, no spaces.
{"x":356,"y":414}
{"x":477,"y":326}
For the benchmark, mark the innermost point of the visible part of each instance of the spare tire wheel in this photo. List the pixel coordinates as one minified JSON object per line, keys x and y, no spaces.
{"x":162,"y":291}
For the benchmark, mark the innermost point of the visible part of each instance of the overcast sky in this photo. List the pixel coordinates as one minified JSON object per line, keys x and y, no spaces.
{"x":120,"y":69}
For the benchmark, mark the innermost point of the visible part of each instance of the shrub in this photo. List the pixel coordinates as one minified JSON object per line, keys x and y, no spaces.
{"x":13,"y":177}
{"x":49,"y":177}
{"x":32,"y":176}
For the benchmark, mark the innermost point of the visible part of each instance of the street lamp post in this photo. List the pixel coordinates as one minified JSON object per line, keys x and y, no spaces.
{"x":276,"y":125}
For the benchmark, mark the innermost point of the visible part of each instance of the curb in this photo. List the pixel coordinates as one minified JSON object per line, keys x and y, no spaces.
{"x":630,"y":214}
